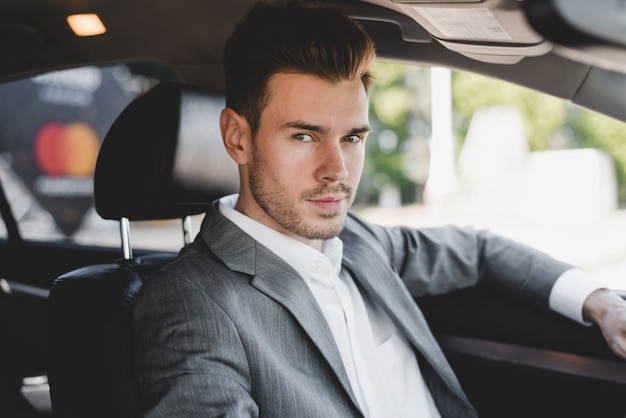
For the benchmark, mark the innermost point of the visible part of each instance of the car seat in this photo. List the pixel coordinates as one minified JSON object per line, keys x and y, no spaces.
{"x":161,"y":159}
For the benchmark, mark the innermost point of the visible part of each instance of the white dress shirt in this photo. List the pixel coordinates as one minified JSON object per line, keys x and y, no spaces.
{"x":380,"y":363}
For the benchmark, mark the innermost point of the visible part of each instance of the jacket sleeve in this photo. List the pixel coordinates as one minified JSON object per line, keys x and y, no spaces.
{"x":189,"y":366}
{"x":437,"y":260}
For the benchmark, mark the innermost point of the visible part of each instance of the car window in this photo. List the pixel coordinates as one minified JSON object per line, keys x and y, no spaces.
{"x":51,"y":128}
{"x":472,"y":150}
{"x":446,"y":147}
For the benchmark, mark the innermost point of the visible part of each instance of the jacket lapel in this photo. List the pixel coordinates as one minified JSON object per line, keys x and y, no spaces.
{"x":275,"y":278}
{"x":385,"y":287}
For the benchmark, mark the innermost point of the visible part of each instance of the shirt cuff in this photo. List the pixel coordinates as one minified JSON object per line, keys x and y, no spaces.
{"x":570,"y":291}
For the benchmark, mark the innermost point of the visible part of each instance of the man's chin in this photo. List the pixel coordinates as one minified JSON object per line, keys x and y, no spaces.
{"x":323,"y":230}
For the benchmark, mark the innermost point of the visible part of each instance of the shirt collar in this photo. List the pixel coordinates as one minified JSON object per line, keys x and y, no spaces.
{"x":304,"y":259}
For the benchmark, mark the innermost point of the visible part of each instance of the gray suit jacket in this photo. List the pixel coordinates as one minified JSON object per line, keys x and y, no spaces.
{"x":230,"y":329}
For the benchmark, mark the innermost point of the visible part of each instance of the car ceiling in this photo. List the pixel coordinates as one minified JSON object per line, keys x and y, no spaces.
{"x":491,"y":37}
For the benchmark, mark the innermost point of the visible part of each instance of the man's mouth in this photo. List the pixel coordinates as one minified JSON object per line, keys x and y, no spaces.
{"x":333,"y":203}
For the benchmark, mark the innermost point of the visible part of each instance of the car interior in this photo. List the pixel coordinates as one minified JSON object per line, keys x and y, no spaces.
{"x":163,"y":181}
{"x":66,"y":348}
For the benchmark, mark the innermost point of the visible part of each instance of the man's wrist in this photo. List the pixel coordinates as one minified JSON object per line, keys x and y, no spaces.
{"x":598,"y":303}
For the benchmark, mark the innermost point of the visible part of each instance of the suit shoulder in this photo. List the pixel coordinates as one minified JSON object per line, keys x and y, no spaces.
{"x":189,"y":271}
{"x":368,"y":231}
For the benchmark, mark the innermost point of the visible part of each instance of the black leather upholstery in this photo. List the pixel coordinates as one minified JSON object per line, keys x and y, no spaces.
{"x":161,"y":159}
{"x":91,"y":361}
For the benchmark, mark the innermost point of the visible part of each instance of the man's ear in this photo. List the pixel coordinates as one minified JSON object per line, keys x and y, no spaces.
{"x":236,"y":136}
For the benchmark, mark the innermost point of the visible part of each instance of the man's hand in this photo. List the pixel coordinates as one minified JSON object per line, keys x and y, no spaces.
{"x":608,"y":310}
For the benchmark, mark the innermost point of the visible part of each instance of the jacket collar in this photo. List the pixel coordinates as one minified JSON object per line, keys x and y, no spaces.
{"x":370,"y":268}
{"x":373,"y":273}
{"x":275,"y":278}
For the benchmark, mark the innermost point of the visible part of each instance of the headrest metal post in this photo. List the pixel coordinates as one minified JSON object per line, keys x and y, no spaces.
{"x":125,"y":233}
{"x":187,"y":229}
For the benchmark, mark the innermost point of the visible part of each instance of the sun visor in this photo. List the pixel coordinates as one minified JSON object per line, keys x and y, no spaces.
{"x":486,"y":31}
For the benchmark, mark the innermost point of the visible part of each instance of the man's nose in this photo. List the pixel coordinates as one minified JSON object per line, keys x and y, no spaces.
{"x":332,"y":164}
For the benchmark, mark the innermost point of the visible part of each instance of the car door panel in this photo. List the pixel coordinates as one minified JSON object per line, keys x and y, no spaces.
{"x":517,"y":361}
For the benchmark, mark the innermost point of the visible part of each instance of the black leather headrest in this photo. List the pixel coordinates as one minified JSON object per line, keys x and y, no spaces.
{"x":163,"y":157}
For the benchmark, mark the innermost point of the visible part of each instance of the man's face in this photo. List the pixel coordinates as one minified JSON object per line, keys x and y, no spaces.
{"x":307,"y":156}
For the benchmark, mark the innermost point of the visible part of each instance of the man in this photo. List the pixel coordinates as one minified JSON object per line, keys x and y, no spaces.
{"x":288,"y":306}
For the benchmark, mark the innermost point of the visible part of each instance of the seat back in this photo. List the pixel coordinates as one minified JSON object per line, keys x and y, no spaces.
{"x":89,"y":338}
{"x":161,"y":159}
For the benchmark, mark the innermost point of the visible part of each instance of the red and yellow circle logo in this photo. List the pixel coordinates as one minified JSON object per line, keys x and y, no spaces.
{"x":66,"y":149}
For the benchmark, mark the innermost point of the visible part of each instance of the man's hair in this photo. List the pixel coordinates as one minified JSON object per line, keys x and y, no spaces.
{"x":291,"y":38}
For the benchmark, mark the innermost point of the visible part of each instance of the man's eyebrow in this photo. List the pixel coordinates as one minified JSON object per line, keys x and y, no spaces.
{"x":360,"y":130}
{"x":298,"y":124}
{"x":305,"y":126}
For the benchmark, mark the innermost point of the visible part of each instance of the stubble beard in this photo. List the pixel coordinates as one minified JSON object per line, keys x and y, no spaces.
{"x":272,"y":197}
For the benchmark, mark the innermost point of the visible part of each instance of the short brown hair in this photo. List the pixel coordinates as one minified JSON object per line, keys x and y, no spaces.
{"x":292,"y":38}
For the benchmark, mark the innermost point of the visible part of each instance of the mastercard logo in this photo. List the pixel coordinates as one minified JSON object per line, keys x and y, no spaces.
{"x":66,"y":149}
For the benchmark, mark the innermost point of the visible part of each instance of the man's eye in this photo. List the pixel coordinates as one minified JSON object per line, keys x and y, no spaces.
{"x":352,"y":138}
{"x":303,"y":137}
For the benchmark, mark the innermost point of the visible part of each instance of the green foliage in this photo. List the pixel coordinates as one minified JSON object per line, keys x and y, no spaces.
{"x":392,"y":106}
{"x":397,"y":107}
{"x":549,"y":122}
{"x":400,"y":117}
{"x":595,"y":130}
{"x":542,"y":115}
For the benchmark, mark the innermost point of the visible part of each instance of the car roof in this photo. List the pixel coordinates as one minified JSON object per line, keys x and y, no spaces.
{"x":528,"y":42}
